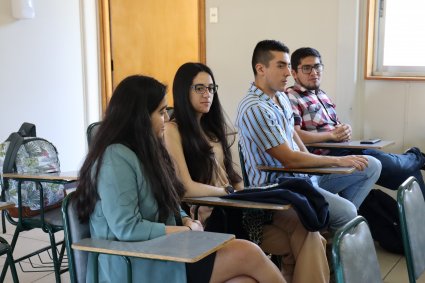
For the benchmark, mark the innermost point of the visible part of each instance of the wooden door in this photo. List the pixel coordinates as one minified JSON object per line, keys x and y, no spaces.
{"x":150,"y":37}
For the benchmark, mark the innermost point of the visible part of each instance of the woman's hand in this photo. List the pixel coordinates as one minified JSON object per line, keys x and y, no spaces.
{"x":194,"y":225}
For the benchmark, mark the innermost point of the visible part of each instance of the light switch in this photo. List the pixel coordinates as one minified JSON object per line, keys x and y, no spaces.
{"x":213,"y":15}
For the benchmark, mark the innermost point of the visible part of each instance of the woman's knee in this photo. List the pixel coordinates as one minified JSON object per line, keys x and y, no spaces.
{"x":242,"y":249}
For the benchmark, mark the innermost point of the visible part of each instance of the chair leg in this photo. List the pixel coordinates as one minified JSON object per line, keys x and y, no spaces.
{"x":12,"y":248}
{"x":12,"y":267}
{"x":3,"y":221}
{"x":56,"y":263}
{"x":62,"y":253}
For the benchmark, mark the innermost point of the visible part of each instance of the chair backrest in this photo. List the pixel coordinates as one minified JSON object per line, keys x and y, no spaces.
{"x":411,"y":209}
{"x":353,"y":254}
{"x":243,"y":170}
{"x":74,"y":231}
{"x":92,"y":131}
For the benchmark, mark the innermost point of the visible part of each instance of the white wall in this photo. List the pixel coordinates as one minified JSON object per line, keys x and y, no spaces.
{"x":390,"y":110}
{"x":242,"y":23}
{"x":42,"y":75}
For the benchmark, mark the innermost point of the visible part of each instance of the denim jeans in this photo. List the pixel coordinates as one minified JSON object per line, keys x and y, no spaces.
{"x":396,"y":168}
{"x":346,"y":192}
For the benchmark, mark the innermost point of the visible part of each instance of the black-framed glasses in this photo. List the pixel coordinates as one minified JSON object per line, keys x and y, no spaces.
{"x":202,"y":89}
{"x":306,"y":69}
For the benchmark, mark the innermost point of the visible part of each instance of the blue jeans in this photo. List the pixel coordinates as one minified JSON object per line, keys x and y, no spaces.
{"x":396,"y":168}
{"x":346,"y":192}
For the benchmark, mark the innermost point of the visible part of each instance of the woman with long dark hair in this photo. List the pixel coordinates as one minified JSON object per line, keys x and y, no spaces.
{"x":197,"y":140}
{"x":128,"y":191}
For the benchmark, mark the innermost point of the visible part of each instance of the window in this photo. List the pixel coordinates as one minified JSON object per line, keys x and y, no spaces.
{"x":396,"y":40}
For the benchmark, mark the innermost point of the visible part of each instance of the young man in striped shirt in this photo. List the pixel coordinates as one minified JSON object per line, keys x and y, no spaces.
{"x":267,"y":137}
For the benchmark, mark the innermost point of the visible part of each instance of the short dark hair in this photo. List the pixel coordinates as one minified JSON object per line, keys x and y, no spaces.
{"x":302,"y":53}
{"x":262,"y":52}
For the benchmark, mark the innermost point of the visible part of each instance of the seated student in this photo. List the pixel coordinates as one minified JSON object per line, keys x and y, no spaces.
{"x":316,"y":120}
{"x":267,"y":137}
{"x":196,"y":139}
{"x":128,"y":191}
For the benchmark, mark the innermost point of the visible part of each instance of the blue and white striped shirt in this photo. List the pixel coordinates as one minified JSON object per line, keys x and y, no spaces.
{"x":263,"y":124}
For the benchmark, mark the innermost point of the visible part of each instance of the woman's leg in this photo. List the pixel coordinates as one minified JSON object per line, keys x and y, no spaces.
{"x":304,"y":254}
{"x":240,"y":258}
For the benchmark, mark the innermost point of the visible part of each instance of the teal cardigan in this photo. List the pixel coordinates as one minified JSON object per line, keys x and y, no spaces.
{"x":127,"y":211}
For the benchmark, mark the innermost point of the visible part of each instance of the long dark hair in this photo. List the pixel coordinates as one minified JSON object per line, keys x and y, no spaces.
{"x":197,"y":150}
{"x":127,"y":121}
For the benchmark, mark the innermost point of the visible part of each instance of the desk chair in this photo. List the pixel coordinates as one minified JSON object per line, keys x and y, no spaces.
{"x":50,"y":222}
{"x":187,"y":247}
{"x":5,"y":249}
{"x":92,"y":131}
{"x":74,"y":232}
{"x":411,"y":209}
{"x":243,"y":169}
{"x":353,"y":254}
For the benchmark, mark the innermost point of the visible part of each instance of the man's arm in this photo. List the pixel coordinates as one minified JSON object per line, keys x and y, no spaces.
{"x":342,"y":132}
{"x":299,"y":159}
{"x":299,"y":142}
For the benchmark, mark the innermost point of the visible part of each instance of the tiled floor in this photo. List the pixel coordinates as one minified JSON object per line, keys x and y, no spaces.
{"x":393,"y":267}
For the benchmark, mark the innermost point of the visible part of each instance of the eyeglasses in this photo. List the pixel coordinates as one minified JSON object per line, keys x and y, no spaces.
{"x":202,"y":89}
{"x":306,"y":69}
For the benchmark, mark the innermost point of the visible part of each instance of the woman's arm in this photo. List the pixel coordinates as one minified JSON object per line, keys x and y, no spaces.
{"x":120,"y":196}
{"x":174,"y":146}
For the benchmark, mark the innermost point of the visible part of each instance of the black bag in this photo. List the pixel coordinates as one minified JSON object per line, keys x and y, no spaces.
{"x":381,"y":213}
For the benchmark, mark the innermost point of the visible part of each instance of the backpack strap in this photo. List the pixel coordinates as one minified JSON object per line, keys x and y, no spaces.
{"x":27,"y":130}
{"x":16,"y":141}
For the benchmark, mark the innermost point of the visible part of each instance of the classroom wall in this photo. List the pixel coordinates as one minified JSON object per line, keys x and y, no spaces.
{"x":45,"y":74}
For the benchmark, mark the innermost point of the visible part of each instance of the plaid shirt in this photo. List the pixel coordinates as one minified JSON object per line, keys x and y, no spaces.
{"x":313,"y":112}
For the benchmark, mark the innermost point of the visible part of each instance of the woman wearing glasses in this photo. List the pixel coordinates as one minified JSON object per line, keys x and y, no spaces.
{"x":196,"y":139}
{"x":128,"y":191}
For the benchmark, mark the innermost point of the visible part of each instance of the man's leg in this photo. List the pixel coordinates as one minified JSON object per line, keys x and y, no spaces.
{"x":304,"y":256}
{"x":356,"y":186}
{"x":396,"y":168}
{"x":341,"y":210}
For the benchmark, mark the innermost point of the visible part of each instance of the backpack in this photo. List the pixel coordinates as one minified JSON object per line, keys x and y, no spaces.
{"x":381,"y":213}
{"x":23,"y":152}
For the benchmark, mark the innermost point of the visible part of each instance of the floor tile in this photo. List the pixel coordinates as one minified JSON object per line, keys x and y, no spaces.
{"x":399,"y":274}
{"x":387,"y":260}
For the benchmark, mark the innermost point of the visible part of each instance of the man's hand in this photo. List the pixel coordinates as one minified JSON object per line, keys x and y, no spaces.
{"x":358,"y":161}
{"x":341,"y":133}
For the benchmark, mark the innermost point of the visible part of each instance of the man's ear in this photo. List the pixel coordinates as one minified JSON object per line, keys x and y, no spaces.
{"x":294,"y":74}
{"x":259,"y":68}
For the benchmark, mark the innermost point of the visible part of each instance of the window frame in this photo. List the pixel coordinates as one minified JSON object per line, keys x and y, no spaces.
{"x":374,"y":54}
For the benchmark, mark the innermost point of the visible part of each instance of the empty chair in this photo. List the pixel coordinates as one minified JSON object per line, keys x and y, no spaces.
{"x":411,"y":209}
{"x":353,"y":254}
